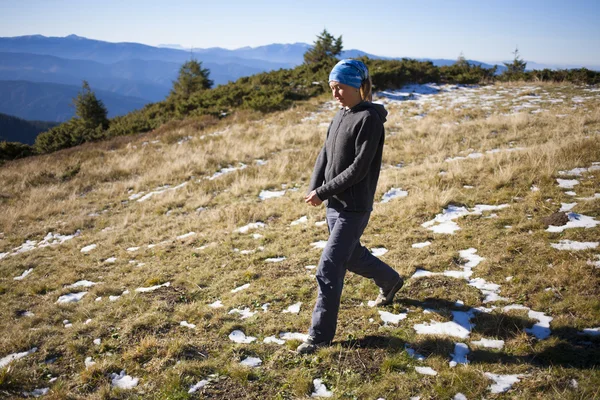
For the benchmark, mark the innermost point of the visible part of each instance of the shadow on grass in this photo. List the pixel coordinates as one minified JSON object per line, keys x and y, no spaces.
{"x":566,"y":347}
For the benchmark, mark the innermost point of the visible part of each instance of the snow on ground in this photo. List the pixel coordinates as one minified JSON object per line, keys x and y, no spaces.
{"x":502,"y":383}
{"x":389,"y":318}
{"x":567,"y":183}
{"x":253,"y":225}
{"x":293,"y":309}
{"x":23,"y":275}
{"x":88,"y":248}
{"x":251,"y":362}
{"x":187,"y":325}
{"x":273,"y":339}
{"x":4,"y":361}
{"x":426,"y":371}
{"x":293,"y":336}
{"x":218,"y":303}
{"x":413,"y":354}
{"x":444,"y":222}
{"x":393,"y":193}
{"x":595,"y":263}
{"x":320,"y":389}
{"x":575,"y":221}
{"x":573,"y":245}
{"x":378,"y":251}
{"x":51,"y":239}
{"x":123,"y":381}
{"x":459,"y":327}
{"x":226,"y":170}
{"x":590,"y":331}
{"x":152,"y":288}
{"x":319,"y":245}
{"x":541,"y":329}
{"x":239,"y":288}
{"x":564,"y":207}
{"x":238,"y":336}
{"x":275,"y":259}
{"x":421,"y":245}
{"x":460,"y":354}
{"x":71,"y":297}
{"x":244,"y":313}
{"x":198,"y":386}
{"x":301,"y":220}
{"x":141,"y":197}
{"x":37,"y":392}
{"x":489,"y":343}
{"x":270,"y":194}
{"x":186,"y":235}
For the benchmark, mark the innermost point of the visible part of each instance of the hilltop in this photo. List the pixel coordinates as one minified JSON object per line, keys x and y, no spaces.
{"x":180,"y":262}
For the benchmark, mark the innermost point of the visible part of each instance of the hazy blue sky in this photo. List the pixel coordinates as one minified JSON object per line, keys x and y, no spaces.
{"x":546,"y":31}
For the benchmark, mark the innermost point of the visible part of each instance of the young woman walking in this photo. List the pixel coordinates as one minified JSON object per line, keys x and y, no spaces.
{"x":345,"y":175}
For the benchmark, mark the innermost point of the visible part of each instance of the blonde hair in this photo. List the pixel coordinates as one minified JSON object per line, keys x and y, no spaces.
{"x":366,"y":90}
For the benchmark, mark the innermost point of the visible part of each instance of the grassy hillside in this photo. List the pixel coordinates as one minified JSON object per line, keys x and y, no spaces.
{"x":168,"y":212}
{"x":13,"y":129}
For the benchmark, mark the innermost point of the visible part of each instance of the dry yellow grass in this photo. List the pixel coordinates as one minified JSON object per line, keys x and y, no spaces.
{"x":93,"y":189}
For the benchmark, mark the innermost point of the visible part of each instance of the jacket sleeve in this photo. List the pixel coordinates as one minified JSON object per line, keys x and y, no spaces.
{"x":366,"y":145}
{"x":318,"y":175}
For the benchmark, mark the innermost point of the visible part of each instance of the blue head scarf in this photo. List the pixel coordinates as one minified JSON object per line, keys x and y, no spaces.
{"x":349,"y":72}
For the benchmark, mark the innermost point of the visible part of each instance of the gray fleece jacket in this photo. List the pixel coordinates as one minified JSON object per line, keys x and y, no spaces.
{"x":347,"y":168}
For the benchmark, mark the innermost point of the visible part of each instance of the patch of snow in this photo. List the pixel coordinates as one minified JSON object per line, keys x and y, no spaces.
{"x":275,"y":259}
{"x":566,"y":207}
{"x":227,"y":170}
{"x":273,"y":339}
{"x":301,"y":220}
{"x":590,"y":331}
{"x":575,"y":221}
{"x":489,"y":343}
{"x":244,"y":313}
{"x":459,"y":327}
{"x":270,"y":194}
{"x":567,"y":183}
{"x":320,"y":389}
{"x":393,"y":193}
{"x":97,"y":341}
{"x":88,"y":248}
{"x":251,"y":362}
{"x":4,"y":361}
{"x":541,"y":329}
{"x":37,"y":392}
{"x":421,"y":245}
{"x":293,"y":309}
{"x":502,"y":383}
{"x":123,"y":381}
{"x":378,"y":251}
{"x":426,"y":371}
{"x":459,"y":396}
{"x":71,"y":297}
{"x":320,"y":223}
{"x":187,"y":235}
{"x":574,"y":245}
{"x":309,"y":267}
{"x":473,"y":259}
{"x":293,"y":336}
{"x":198,"y":386}
{"x":388,"y":317}
{"x":83,"y":283}
{"x":160,"y":190}
{"x":152,"y":288}
{"x":413,"y":354}
{"x":89,"y":362}
{"x":187,"y":325}
{"x":460,"y":354}
{"x":23,"y":275}
{"x":319,"y":245}
{"x":238,"y":336}
{"x":239,"y":288}
{"x":132,"y":249}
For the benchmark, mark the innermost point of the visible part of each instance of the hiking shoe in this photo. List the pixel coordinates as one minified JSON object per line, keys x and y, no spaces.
{"x":387,"y":298}
{"x":310,"y":347}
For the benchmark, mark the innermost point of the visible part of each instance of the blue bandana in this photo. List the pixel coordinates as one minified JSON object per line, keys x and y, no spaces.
{"x":349,"y":72}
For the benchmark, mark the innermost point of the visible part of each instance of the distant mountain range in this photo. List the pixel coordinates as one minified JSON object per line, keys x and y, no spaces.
{"x":50,"y":70}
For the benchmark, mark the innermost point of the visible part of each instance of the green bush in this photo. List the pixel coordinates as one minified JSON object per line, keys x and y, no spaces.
{"x":14,"y":150}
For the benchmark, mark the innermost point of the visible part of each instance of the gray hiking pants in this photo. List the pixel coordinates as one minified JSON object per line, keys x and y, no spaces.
{"x":344,"y":252}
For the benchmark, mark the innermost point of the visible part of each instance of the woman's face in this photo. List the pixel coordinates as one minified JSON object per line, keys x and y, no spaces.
{"x":346,"y":95}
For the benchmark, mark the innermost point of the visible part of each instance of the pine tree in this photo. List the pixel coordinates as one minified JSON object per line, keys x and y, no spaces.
{"x":518,"y":65}
{"x":192,"y":78}
{"x":91,"y":111}
{"x":326,"y":47}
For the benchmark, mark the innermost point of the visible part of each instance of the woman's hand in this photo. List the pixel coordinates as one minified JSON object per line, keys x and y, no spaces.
{"x":313,"y":199}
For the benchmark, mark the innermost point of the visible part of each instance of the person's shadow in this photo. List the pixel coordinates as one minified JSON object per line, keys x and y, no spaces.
{"x":566,"y":346}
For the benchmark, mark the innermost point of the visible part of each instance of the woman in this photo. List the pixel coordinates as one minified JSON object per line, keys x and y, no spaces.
{"x":345,"y":175}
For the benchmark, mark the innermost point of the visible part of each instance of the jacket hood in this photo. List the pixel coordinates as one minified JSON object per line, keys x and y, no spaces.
{"x":381,"y":111}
